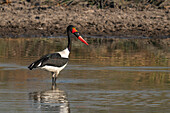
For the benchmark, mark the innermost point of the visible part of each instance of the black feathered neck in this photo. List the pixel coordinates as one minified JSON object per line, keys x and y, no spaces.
{"x":69,"y":29}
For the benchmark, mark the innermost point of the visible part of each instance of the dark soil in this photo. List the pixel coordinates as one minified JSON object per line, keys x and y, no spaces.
{"x":22,"y":19}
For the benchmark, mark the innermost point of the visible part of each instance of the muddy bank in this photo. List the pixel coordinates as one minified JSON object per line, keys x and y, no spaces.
{"x":22,"y":19}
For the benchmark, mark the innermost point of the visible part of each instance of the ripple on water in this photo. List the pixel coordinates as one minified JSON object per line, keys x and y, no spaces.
{"x":93,"y":68}
{"x":140,"y":69}
{"x":11,"y":66}
{"x":129,"y":97}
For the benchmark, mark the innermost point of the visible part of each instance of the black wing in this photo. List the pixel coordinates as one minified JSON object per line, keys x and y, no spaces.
{"x":53,"y":59}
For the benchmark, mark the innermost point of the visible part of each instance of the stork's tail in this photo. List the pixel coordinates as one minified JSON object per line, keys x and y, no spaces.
{"x":35,"y":64}
{"x":31,"y":66}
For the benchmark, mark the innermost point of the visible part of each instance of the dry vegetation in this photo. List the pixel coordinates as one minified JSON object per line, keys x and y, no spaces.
{"x":97,"y":3}
{"x":42,"y":18}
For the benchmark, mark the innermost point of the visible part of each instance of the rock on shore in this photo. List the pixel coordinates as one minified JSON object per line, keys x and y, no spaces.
{"x":22,"y":19}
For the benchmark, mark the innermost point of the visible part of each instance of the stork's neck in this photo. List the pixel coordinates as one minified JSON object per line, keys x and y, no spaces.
{"x":69,"y":40}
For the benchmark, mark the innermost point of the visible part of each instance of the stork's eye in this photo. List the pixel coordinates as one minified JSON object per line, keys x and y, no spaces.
{"x":77,"y":34}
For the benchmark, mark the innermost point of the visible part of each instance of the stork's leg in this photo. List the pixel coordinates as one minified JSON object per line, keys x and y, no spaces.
{"x":56,"y":75}
{"x":53,"y":77}
{"x":53,"y":87}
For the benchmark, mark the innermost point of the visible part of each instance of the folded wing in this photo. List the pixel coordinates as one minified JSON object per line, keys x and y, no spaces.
{"x":53,"y":59}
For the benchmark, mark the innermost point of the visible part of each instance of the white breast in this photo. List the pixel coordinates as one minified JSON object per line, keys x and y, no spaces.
{"x":65,"y":53}
{"x":53,"y":69}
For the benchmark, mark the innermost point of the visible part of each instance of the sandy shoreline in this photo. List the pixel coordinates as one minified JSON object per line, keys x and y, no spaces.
{"x":21,"y":19}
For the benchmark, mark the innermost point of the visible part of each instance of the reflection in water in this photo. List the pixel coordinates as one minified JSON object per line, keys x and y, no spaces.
{"x":51,"y":100}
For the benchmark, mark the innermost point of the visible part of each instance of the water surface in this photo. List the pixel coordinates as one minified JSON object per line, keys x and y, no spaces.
{"x":109,"y":76}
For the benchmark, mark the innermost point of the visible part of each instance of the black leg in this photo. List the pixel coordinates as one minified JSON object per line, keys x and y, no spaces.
{"x":53,"y":77}
{"x":53,"y":87}
{"x":53,"y":81}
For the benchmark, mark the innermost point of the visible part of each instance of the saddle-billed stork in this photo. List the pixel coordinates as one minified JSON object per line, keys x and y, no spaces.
{"x":57,"y":61}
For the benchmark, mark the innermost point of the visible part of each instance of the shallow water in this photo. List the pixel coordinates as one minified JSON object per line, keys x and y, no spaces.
{"x":106,"y":77}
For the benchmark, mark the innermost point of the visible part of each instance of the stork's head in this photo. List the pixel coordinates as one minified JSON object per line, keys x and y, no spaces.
{"x":73,"y":30}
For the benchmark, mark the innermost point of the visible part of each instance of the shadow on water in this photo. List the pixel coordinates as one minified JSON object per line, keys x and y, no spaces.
{"x":53,"y":100}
